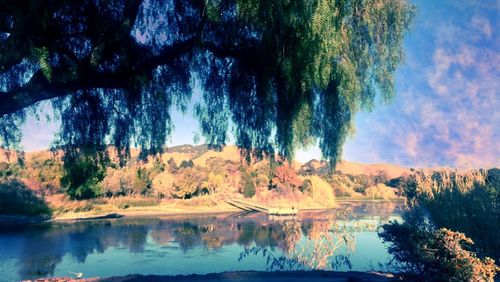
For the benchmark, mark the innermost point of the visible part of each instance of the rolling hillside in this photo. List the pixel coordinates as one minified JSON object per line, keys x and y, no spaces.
{"x":199,"y":154}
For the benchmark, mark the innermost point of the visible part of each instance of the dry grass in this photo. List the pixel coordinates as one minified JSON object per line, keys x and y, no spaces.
{"x":322,"y":192}
{"x":201,"y":201}
{"x":177,"y":157}
{"x":132,"y":201}
{"x":380,"y":191}
{"x":62,"y":204}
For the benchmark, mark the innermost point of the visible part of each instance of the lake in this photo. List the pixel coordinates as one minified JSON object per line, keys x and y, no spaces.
{"x":344,"y":239}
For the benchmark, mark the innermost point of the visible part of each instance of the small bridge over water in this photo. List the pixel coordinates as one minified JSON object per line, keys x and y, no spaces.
{"x":250,"y":206}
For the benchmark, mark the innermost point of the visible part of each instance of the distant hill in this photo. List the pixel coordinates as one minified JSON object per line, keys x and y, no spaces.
{"x":193,"y":150}
{"x":353,"y":168}
{"x":320,"y":167}
{"x":201,"y":153}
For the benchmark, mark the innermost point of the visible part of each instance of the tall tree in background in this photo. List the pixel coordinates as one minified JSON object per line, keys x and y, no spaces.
{"x":285,"y":73}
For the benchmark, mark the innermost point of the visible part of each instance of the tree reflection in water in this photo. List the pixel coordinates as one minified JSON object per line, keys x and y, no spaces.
{"x":312,"y":241}
{"x":45,"y":247}
{"x":312,"y":247}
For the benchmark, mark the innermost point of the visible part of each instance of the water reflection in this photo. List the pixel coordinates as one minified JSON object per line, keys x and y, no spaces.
{"x":309,"y":244}
{"x":320,"y":240}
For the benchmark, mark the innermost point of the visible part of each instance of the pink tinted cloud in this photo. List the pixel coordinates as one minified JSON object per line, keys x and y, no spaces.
{"x":463,"y":109}
{"x":483,"y":26}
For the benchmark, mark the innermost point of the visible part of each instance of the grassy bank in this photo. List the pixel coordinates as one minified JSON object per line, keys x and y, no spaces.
{"x":65,"y":209}
{"x":136,"y":207}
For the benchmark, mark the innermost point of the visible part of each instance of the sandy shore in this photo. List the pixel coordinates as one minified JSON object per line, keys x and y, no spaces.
{"x":147,"y":212}
{"x":163,"y":209}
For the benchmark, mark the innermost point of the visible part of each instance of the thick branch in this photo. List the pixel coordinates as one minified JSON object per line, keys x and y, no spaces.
{"x":39,"y":88}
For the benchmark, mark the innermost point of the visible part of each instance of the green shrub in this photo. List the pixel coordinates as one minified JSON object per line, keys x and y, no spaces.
{"x":247,"y":185}
{"x":17,"y":199}
{"x":83,"y":176}
{"x":187,"y":164}
{"x":142,"y":183}
{"x":9,"y":170}
{"x":306,"y":187}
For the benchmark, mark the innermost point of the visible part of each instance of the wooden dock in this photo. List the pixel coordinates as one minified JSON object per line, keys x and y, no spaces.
{"x":250,"y":206}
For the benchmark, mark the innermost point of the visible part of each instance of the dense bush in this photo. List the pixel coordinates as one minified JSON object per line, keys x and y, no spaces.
{"x":426,"y":254}
{"x":322,"y":192}
{"x":45,"y":169}
{"x":463,"y":201}
{"x":285,"y":177}
{"x":247,"y":185}
{"x":171,"y":166}
{"x":127,"y":181}
{"x":162,"y":184}
{"x":187,"y":183}
{"x":306,"y":187}
{"x":141,"y":183}
{"x":213,"y":183}
{"x":9,"y":170}
{"x":380,"y":192}
{"x":116,"y":182}
{"x":17,"y":199}
{"x":187,"y":164}
{"x":82,"y":177}
{"x":343,"y":186}
{"x":360,"y":182}
{"x":381,"y":176}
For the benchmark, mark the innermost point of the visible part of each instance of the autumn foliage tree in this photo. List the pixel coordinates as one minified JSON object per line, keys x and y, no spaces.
{"x":285,"y":177}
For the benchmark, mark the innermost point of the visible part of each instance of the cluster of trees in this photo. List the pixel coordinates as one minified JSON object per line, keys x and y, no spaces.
{"x":376,"y":186}
{"x":169,"y":180}
{"x":183,"y":179}
{"x":42,"y":172}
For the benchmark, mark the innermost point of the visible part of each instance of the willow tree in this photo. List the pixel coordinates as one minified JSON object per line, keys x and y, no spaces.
{"x":276,"y":74}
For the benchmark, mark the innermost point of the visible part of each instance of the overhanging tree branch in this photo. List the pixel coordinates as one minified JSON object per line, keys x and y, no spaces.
{"x":64,"y":82}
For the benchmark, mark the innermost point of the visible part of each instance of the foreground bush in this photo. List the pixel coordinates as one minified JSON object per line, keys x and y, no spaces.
{"x":467,"y":202}
{"x":17,"y":199}
{"x":435,"y":255}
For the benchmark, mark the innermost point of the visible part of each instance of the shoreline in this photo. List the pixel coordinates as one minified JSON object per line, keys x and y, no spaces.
{"x":170,"y":209}
{"x":245,"y":276}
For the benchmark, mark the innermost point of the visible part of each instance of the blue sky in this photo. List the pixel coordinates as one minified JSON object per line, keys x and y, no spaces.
{"x":447,"y":106}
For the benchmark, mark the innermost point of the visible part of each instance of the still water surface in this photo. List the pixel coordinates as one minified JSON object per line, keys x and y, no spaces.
{"x":342,"y":240}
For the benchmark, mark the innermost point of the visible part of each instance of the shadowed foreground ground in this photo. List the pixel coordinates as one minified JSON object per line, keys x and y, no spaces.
{"x":251,"y":276}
